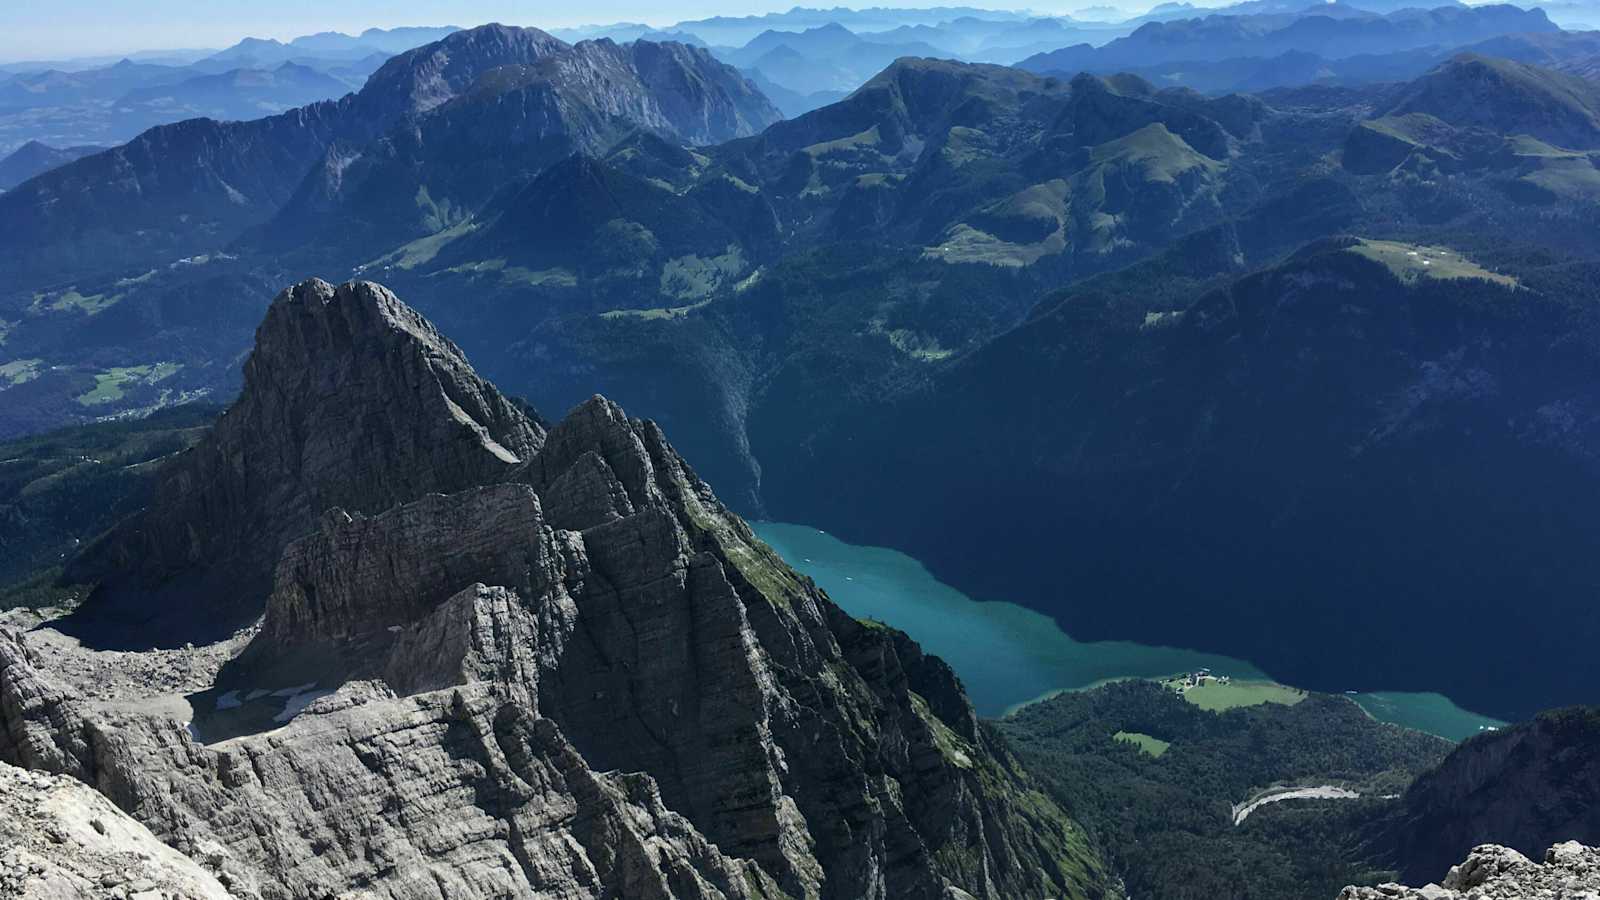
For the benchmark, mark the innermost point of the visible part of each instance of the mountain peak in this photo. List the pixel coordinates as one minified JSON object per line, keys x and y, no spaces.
{"x":484,"y":625}
{"x":423,"y":78}
{"x":1506,"y":97}
{"x":350,"y":399}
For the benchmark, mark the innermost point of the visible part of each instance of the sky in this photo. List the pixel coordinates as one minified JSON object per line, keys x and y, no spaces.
{"x":59,"y":29}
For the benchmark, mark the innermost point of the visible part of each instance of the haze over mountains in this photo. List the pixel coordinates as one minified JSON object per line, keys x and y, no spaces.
{"x":72,"y":102}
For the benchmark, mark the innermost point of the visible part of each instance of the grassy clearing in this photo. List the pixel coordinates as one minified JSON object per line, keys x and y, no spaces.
{"x":965,"y":244}
{"x":1151,"y":746}
{"x":71,"y":299}
{"x":1158,"y":154}
{"x":1410,"y":262}
{"x":741,"y":184}
{"x":138,"y":279}
{"x":109,"y":385}
{"x":1216,"y":696}
{"x":868,"y":138}
{"x":965,"y":145}
{"x":515,"y":274}
{"x":20,"y":371}
{"x":1571,"y":177}
{"x":659,"y":313}
{"x":697,"y":278}
{"x":1416,"y":129}
{"x":422,"y":250}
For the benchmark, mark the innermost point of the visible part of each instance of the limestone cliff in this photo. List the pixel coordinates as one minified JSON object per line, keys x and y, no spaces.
{"x":495,"y":662}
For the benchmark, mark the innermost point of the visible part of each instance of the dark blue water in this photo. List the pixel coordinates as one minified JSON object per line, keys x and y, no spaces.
{"x":1007,"y":655}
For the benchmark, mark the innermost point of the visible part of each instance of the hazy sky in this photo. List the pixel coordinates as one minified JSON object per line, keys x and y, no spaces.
{"x":53,"y":29}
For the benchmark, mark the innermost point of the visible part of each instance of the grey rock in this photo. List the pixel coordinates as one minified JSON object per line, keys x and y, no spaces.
{"x":39,"y":728}
{"x":1570,"y":871}
{"x":350,"y":399}
{"x":62,"y":840}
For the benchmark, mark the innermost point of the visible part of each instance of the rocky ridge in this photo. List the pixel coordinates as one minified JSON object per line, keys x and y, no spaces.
{"x":313,"y":429}
{"x":1570,"y":871}
{"x":544,"y":662}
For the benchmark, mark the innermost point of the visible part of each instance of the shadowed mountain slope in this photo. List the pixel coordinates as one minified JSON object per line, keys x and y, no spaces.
{"x":1257,"y":450}
{"x":34,"y":158}
{"x":1525,"y":787}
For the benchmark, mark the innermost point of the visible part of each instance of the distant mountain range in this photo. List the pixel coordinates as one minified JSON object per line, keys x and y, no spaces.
{"x":65,"y":104}
{"x":336,"y":156}
{"x":1254,"y":45}
{"x":1331,"y":36}
{"x":328,"y":46}
{"x":800,"y":298}
{"x":34,"y":158}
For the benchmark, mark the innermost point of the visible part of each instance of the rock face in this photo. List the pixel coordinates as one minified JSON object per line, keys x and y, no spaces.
{"x":576,"y":674}
{"x":350,"y":399}
{"x":1525,"y":787}
{"x":1570,"y":871}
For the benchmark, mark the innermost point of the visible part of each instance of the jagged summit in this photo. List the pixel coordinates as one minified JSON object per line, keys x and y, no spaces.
{"x":485,"y":625}
{"x":525,"y":110}
{"x":426,"y":77}
{"x":350,"y":399}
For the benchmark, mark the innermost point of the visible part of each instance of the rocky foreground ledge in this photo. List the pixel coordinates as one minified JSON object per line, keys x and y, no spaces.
{"x":1570,"y":871}
{"x":62,"y":840}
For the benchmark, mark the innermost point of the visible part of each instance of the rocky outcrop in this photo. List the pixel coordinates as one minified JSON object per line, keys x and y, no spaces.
{"x":39,"y":727}
{"x":1525,"y":787}
{"x":1570,"y":871}
{"x":560,"y":667}
{"x":351,"y":400}
{"x":62,"y":840}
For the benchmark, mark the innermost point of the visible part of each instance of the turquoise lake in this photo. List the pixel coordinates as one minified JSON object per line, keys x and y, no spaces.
{"x":1008,"y":655}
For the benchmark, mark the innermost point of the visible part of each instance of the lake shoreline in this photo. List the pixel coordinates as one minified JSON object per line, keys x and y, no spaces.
{"x":1009,"y":656}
